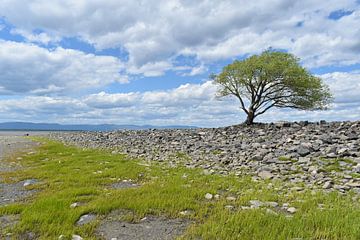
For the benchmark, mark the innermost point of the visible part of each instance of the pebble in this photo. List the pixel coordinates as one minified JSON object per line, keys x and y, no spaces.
{"x":292,"y":210}
{"x":265,"y":175}
{"x":208,"y":196}
{"x":75,"y":205}
{"x":76,"y":237}
{"x":327,"y":185}
{"x":231,"y":198}
{"x":29,"y":182}
{"x":85,"y":219}
{"x":256,"y":203}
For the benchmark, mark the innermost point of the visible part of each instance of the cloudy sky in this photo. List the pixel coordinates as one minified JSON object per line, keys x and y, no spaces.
{"x":148,"y":62}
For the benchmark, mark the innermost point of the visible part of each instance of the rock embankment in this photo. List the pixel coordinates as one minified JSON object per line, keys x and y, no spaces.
{"x":320,"y":155}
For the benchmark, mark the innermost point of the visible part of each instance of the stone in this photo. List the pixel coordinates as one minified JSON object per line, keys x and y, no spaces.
{"x":265,"y":175}
{"x":76,"y":237}
{"x":85,"y":219}
{"x":256,"y":203}
{"x":29,"y":182}
{"x":75,"y":205}
{"x":327,"y":185}
{"x":356,"y":168}
{"x":187,"y":212}
{"x":208,"y":196}
{"x":292,"y":210}
{"x":303,"y":151}
{"x":304,"y":160}
{"x":271,"y":204}
{"x":353,"y":184}
{"x":231,"y":198}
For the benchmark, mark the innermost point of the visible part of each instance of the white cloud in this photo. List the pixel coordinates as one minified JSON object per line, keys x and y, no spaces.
{"x":150,"y":69}
{"x":27,"y":68}
{"x":156,"y":34}
{"x":154,"y":31}
{"x":116,"y":100}
{"x":344,"y":85}
{"x":189,"y":104}
{"x":42,"y":37}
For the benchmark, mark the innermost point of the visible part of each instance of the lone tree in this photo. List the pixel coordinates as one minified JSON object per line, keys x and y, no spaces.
{"x":272,"y":79}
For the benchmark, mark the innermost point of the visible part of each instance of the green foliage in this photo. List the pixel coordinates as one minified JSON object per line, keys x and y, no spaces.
{"x":272,"y":79}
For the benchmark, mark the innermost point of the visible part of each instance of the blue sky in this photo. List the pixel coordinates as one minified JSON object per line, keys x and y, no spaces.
{"x":148,"y":62}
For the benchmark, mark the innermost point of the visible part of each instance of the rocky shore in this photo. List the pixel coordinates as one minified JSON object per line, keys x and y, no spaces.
{"x":322,"y":155}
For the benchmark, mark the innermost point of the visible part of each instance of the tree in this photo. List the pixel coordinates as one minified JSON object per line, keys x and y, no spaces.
{"x":272,"y":79}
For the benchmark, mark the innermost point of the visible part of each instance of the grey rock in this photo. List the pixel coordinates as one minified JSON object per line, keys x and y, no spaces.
{"x":29,"y":182}
{"x":85,"y":219}
{"x":303,"y":151}
{"x":292,"y":210}
{"x":208,"y":196}
{"x":265,"y":175}
{"x":327,"y":185}
{"x":256,"y":203}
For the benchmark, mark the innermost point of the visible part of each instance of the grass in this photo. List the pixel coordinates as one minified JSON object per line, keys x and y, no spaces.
{"x":334,"y":165}
{"x":69,"y":175}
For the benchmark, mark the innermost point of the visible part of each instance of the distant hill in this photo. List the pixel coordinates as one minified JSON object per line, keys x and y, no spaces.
{"x":79,"y":127}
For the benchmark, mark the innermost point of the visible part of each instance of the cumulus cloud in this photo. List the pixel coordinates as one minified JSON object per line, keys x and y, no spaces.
{"x":27,"y":68}
{"x":116,"y":100}
{"x":153,"y":32}
{"x":345,"y":86}
{"x":186,"y":37}
{"x":189,"y":104}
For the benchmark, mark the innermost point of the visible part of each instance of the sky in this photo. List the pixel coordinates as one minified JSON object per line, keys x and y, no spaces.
{"x":148,"y":62}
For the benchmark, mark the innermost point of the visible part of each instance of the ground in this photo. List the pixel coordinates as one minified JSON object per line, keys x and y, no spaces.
{"x":96,"y":194}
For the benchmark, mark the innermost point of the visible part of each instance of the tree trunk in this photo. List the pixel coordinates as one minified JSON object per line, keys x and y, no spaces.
{"x":250,"y":118}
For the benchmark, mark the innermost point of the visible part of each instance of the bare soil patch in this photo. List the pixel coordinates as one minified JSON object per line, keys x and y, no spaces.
{"x":148,"y":228}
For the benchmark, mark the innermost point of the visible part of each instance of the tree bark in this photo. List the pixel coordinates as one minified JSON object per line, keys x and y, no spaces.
{"x":250,"y":118}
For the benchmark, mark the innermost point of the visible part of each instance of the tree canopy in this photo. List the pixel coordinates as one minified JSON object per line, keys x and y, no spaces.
{"x":272,"y":79}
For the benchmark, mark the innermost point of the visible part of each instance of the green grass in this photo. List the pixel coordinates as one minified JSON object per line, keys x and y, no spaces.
{"x":333,"y":165}
{"x":69,"y":175}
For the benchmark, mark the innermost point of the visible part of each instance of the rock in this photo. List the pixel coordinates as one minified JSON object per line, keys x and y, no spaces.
{"x":353,"y":184}
{"x":187,"y":212}
{"x":265,"y":175}
{"x":327,"y":185}
{"x":256,"y":203}
{"x":208,"y":196}
{"x":292,"y":210}
{"x":75,"y":205}
{"x":304,"y":160}
{"x":303,"y":151}
{"x":271,"y":204}
{"x":356,"y":168}
{"x":29,"y":182}
{"x":85,"y":219}
{"x":231,"y":198}
{"x":76,"y":237}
